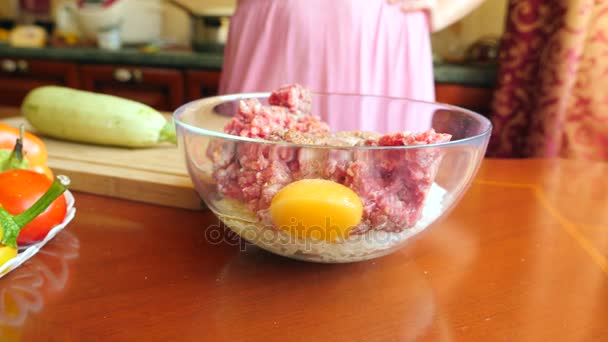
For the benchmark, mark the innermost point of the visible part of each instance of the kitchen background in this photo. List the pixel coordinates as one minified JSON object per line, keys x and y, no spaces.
{"x":487,"y":20}
{"x":176,"y":64}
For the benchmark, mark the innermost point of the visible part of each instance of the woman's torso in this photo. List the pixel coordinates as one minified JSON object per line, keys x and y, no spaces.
{"x":348,"y":46}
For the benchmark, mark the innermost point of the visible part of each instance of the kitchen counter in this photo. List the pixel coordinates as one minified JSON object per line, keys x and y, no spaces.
{"x":169,"y":59}
{"x":468,"y":75}
{"x":483,"y":76}
{"x":523,"y":257}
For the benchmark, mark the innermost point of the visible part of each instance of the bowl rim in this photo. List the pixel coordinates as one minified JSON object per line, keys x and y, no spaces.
{"x":219,"y":99}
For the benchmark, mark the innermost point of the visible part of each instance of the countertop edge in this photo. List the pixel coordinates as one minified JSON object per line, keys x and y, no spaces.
{"x":178,"y":59}
{"x":462,"y":74}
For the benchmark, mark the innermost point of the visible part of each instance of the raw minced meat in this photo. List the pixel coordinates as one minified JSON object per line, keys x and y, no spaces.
{"x":256,"y":171}
{"x":254,"y":120}
{"x":294,"y":97}
{"x":392,"y":183}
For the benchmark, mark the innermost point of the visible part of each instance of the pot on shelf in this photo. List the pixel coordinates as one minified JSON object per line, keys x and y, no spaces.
{"x":208,"y":29}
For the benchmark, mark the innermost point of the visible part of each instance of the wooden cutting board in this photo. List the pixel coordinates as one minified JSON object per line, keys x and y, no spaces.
{"x":155,"y":175}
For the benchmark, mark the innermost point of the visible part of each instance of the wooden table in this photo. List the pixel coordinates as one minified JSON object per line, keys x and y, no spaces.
{"x":523,"y":257}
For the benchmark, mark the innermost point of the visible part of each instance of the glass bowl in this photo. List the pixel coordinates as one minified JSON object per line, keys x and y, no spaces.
{"x":403,"y":189}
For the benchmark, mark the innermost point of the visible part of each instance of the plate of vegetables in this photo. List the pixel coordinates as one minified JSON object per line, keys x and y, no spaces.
{"x":34,"y":205}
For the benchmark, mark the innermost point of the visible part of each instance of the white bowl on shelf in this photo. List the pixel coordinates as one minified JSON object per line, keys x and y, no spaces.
{"x":94,"y":18}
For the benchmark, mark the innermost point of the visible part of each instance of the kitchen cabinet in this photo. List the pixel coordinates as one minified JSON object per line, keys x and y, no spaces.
{"x":19,"y":76}
{"x":202,"y":83}
{"x":160,"y":88}
{"x":477,"y":99}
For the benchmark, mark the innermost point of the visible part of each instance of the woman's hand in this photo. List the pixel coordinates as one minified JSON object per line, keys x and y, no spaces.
{"x":442,"y":13}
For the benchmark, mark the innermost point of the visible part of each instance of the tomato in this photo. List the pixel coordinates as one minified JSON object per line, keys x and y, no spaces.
{"x":19,"y":190}
{"x":34,"y":149}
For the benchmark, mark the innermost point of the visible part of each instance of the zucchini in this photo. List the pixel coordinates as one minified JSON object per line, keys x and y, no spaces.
{"x":82,"y":116}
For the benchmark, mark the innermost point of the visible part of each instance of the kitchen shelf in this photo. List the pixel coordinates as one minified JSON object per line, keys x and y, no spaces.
{"x":128,"y":56}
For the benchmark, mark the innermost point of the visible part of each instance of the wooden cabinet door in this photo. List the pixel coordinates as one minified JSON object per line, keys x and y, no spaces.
{"x":474,"y":98}
{"x":159,"y":88}
{"x":202,"y":83}
{"x":19,"y":76}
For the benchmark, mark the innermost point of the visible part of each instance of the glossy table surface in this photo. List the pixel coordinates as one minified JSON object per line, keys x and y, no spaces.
{"x":523,"y":257}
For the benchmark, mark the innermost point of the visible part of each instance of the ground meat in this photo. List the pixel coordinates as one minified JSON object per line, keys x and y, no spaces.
{"x":337,"y":165}
{"x":391,"y":183}
{"x":258,"y":187}
{"x":254,"y":120}
{"x":308,"y":124}
{"x":255,"y":172}
{"x":352,"y":138}
{"x":227,"y":179}
{"x":328,"y":163}
{"x":408,"y":138}
{"x":221,"y":152}
{"x":294,"y":97}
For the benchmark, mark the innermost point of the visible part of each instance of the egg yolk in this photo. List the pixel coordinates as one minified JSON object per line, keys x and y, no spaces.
{"x":316,"y":208}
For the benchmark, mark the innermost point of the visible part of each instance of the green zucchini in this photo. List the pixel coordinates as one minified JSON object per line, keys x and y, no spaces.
{"x":82,"y":116}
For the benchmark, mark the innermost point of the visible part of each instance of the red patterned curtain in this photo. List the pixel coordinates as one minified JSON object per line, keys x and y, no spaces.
{"x":552,"y":95}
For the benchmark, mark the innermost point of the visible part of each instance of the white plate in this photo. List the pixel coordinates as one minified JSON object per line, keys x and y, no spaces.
{"x":29,"y":251}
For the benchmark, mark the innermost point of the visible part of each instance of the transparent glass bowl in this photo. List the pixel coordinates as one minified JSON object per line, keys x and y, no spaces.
{"x":404,"y":189}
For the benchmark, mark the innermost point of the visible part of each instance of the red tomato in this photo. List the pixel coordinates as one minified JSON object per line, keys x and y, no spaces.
{"x":19,"y":190}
